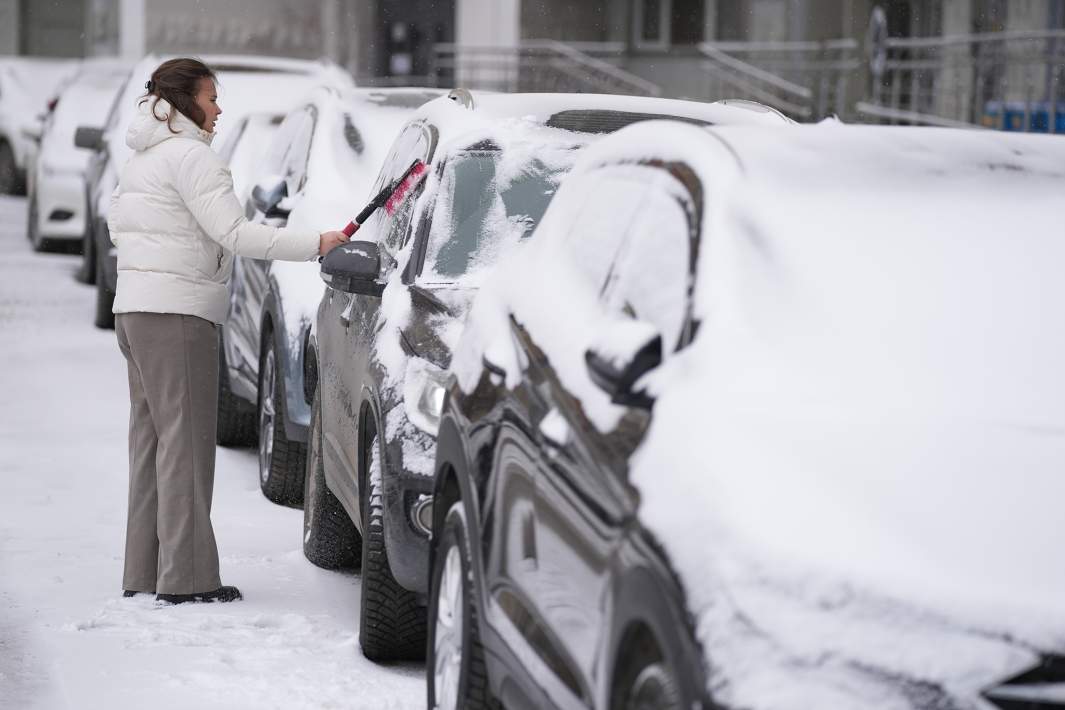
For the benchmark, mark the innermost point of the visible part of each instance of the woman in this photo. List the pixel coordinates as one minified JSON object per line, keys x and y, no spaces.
{"x":176,"y":224}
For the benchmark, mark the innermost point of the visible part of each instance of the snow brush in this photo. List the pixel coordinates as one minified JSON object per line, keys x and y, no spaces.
{"x":391,"y":197}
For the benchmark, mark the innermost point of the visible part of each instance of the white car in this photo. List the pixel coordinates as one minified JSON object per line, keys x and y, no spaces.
{"x":246,"y":84}
{"x":765,"y":419}
{"x":26,"y":85}
{"x":56,"y":182}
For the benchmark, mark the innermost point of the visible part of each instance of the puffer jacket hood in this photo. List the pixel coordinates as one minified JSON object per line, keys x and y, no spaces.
{"x":176,"y":222}
{"x":148,"y":130}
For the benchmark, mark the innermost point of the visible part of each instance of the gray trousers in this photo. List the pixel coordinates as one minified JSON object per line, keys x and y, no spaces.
{"x":173,"y":393}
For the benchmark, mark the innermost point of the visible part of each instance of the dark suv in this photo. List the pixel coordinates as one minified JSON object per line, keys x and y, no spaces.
{"x":537,"y":544}
{"x":387,"y":324}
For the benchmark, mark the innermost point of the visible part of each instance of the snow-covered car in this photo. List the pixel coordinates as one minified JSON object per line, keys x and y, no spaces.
{"x":26,"y":86}
{"x":318,"y":168}
{"x":768,"y":420}
{"x":396,"y":299}
{"x":246,"y":84}
{"x":56,"y":181}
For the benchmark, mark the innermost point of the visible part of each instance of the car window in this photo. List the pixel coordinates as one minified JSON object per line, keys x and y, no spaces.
{"x":246,"y":153}
{"x":294,"y":167}
{"x":649,"y":278}
{"x":390,"y":230}
{"x":276,"y":157}
{"x":226,"y":151}
{"x":486,"y":205}
{"x":610,"y":201}
{"x":412,"y":144}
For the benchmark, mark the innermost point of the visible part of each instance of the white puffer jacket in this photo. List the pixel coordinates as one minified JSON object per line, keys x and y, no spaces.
{"x":177,"y":223}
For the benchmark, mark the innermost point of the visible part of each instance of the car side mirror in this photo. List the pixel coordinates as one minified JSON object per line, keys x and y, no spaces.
{"x":617,"y":363}
{"x":267,"y":196}
{"x":354,"y":268}
{"x":89,"y":138}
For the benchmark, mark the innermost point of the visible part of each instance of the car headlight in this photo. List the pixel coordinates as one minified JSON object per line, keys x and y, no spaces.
{"x":423,"y":394}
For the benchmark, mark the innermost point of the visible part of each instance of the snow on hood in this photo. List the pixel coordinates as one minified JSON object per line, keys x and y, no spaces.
{"x":868,"y":432}
{"x":149,"y":127}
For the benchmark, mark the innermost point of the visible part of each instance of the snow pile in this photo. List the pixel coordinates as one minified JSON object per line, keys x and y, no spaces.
{"x":67,"y":637}
{"x":867,"y":432}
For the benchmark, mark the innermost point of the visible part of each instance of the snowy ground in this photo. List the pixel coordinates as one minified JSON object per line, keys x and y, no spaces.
{"x":67,"y":638}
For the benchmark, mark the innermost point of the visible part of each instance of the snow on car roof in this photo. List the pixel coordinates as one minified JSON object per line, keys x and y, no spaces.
{"x":876,"y":396}
{"x":272,"y":85}
{"x":452,"y":118}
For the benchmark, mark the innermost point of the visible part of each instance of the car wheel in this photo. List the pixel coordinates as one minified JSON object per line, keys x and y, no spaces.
{"x":643,"y":679}
{"x":281,"y":460}
{"x":457,"y":678}
{"x":9,"y":178}
{"x":392,"y":626}
{"x":330,"y":539}
{"x":236,"y":419}
{"x":105,"y":301}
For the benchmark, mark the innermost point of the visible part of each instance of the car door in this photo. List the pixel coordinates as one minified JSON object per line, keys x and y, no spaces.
{"x":347,"y":331}
{"x":631,"y":240}
{"x":524,"y":577}
{"x":584,"y":501}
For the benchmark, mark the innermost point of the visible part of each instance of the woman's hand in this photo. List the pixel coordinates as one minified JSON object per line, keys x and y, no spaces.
{"x":328,"y":241}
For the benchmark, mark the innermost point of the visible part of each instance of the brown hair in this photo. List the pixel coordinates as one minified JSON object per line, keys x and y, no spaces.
{"x":178,"y":81}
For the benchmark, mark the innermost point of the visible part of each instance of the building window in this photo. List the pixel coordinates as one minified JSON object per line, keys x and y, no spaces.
{"x":651,"y":23}
{"x":659,"y":24}
{"x":688,"y":22}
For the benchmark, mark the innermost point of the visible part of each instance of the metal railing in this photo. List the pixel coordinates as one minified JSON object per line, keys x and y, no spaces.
{"x":807,"y":80}
{"x":1013,"y":80}
{"x":537,"y":66}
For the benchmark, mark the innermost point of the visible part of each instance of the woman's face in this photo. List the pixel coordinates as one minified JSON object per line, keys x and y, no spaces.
{"x":207,"y":99}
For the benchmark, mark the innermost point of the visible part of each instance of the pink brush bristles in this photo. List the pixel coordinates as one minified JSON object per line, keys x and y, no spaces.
{"x":400,"y":193}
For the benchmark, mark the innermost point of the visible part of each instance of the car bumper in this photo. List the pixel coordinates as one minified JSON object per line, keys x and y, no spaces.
{"x":61,"y":206}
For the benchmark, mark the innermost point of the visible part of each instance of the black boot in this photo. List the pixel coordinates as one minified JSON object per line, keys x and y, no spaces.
{"x":222,"y":594}
{"x":127,"y":593}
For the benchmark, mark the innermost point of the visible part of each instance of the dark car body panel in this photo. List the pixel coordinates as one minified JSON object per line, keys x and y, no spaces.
{"x":356,"y":400}
{"x":562,"y":567}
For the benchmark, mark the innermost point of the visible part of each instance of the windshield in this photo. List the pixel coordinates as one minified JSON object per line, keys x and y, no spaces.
{"x":489,"y":201}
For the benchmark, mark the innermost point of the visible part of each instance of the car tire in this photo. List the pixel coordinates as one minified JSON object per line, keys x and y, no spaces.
{"x":330,"y":539}
{"x":456,"y":673}
{"x":9,"y":177}
{"x":643,"y":678}
{"x":392,"y":619}
{"x":282,"y":462}
{"x":105,"y":300}
{"x":236,"y":419}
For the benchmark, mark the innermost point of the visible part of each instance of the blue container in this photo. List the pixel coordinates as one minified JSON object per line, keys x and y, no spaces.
{"x":1009,"y":116}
